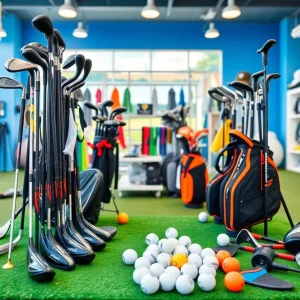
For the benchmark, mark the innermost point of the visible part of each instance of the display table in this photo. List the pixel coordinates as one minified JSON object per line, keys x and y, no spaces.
{"x":124,"y":183}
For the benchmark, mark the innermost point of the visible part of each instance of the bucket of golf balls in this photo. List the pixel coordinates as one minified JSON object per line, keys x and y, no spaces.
{"x":173,"y":263}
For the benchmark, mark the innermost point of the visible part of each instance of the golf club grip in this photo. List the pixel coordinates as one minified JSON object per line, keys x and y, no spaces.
{"x":247,"y":248}
{"x":260,"y":237}
{"x":275,"y":246}
{"x":285,"y":256}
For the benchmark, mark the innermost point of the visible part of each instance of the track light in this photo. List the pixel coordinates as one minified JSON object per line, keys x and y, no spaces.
{"x":80,"y":32}
{"x":150,"y":11}
{"x":67,"y":10}
{"x":2,"y":31}
{"x":231,"y":11}
{"x":211,"y":32}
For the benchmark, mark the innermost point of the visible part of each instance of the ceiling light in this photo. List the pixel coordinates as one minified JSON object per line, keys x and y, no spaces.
{"x":231,"y":11}
{"x":67,"y":10}
{"x":211,"y":32}
{"x":80,"y":32}
{"x":2,"y":31}
{"x":150,"y":11}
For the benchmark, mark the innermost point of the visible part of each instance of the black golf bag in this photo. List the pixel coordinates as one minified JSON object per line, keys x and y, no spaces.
{"x":153,"y":173}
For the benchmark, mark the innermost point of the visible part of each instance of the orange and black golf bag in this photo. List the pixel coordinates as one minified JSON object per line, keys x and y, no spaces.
{"x":193,"y":179}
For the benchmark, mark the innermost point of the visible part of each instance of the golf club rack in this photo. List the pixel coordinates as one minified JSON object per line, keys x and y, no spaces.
{"x":246,"y":190}
{"x":60,"y":237}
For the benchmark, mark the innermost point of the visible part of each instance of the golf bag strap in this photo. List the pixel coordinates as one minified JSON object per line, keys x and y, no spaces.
{"x":117,"y":167}
{"x":187,"y":165}
{"x":227,"y":148}
{"x":99,"y":146}
{"x":240,"y":137}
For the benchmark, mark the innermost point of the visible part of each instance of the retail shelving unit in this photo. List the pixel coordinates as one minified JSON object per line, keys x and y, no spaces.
{"x":292,"y":155}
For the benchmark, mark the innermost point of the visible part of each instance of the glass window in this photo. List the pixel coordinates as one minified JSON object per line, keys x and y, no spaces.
{"x":169,"y":60}
{"x":132,"y":60}
{"x":204,"y":61}
{"x":102,"y":60}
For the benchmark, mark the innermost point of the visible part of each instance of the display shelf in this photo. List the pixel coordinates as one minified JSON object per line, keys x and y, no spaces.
{"x":293,"y":169}
{"x":294,"y":151}
{"x":142,"y":159}
{"x":295,"y":117}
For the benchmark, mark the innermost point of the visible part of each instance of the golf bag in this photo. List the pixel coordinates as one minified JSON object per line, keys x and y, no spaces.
{"x":153,"y":173}
{"x":171,"y":174}
{"x":193,"y":180}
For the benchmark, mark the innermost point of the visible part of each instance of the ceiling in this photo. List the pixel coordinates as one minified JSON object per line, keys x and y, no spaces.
{"x":170,"y":10}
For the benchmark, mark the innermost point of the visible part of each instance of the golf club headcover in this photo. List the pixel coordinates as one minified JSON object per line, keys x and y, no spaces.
{"x":292,"y":239}
{"x":232,"y":249}
{"x":261,"y":278}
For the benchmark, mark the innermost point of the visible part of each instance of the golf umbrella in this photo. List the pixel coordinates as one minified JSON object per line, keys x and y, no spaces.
{"x":98,"y":96}
{"x":87,"y":111}
{"x":154,"y":101}
{"x":116,"y":99}
{"x":181,"y":99}
{"x":127,"y":101}
{"x":171,"y":102}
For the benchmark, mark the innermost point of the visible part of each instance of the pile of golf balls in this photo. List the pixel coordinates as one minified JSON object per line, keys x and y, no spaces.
{"x":173,"y":262}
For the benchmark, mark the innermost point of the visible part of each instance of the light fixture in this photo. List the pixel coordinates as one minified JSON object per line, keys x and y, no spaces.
{"x":231,"y":11}
{"x":80,"y":32}
{"x":2,"y":31}
{"x":150,"y":11}
{"x":67,"y":10}
{"x":211,"y":32}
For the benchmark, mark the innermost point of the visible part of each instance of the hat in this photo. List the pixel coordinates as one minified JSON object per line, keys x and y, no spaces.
{"x":244,"y":77}
{"x":296,"y":80}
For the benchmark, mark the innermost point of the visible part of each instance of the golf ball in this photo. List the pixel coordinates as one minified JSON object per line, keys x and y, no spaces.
{"x":142,"y":262}
{"x":207,"y":252}
{"x":156,"y":269}
{"x":223,"y":240}
{"x":185,"y":241}
{"x":160,"y":242}
{"x":190,"y":270}
{"x":174,"y":241}
{"x":164,"y":259}
{"x":153,"y":248}
{"x":180,"y":249}
{"x":205,"y":269}
{"x":167,"y":282}
{"x":167,"y":246}
{"x":149,"y":284}
{"x":196,"y":259}
{"x":195,"y":248}
{"x":206,"y":282}
{"x":203,"y":217}
{"x":173,"y":270}
{"x":151,"y":238}
{"x":171,"y":233}
{"x":211,"y":261}
{"x":185,"y":285}
{"x":129,"y":256}
{"x":138,"y":274}
{"x":150,"y":256}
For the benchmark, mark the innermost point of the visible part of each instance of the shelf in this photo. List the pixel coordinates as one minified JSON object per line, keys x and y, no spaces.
{"x":294,"y":117}
{"x":294,"y":151}
{"x":136,"y":116}
{"x":294,"y":92}
{"x":294,"y":169}
{"x":142,"y":159}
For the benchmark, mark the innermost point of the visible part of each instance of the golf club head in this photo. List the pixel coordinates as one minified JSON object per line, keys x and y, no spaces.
{"x":245,"y":236}
{"x":117,"y":111}
{"x":243,"y":87}
{"x":99,"y":118}
{"x":79,"y":61}
{"x":186,"y":111}
{"x":184,"y":143}
{"x":78,"y":95}
{"x":61,"y":43}
{"x":76,"y":87}
{"x":103,"y":107}
{"x":39,"y":50}
{"x":39,"y":46}
{"x":86,"y":71}
{"x":232,"y":249}
{"x":37,"y":268}
{"x":255,"y":77}
{"x":91,"y":106}
{"x":5,"y":248}
{"x":272,"y":76}
{"x":9,"y":83}
{"x":43,"y":24}
{"x":14,"y":65}
{"x":69,"y":62}
{"x":266,"y":47}
{"x":4,"y":229}
{"x":111,"y":123}
{"x":122,"y":123}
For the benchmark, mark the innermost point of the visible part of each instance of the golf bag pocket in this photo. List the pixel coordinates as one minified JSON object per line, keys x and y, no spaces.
{"x":172,"y":174}
{"x":243,"y":197}
{"x":193,"y":180}
{"x":214,"y":186}
{"x":153,"y":173}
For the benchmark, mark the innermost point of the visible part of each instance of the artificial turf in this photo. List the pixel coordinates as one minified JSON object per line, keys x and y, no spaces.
{"x":109,"y":278}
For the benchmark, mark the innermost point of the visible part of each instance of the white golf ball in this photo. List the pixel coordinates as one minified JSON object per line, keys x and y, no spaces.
{"x":174,"y":242}
{"x":195,"y":248}
{"x":206,"y":282}
{"x":150,"y":256}
{"x":159,"y":244}
{"x":205,"y":269}
{"x":164,"y":259}
{"x":185,"y":285}
{"x":223,"y":240}
{"x":171,"y":233}
{"x":167,"y":282}
{"x":185,"y":241}
{"x":167,"y":246}
{"x":138,"y":274}
{"x":207,"y":252}
{"x":180,"y":249}
{"x":151,"y":238}
{"x":173,"y":270}
{"x":156,"y":269}
{"x":149,"y":284}
{"x":189,"y":270}
{"x":196,"y":259}
{"x":153,"y":248}
{"x":211,"y":261}
{"x":142,"y":262}
{"x":203,"y":217}
{"x":129,"y":256}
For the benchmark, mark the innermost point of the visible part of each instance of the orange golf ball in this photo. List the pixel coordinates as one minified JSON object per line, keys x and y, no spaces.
{"x":122,"y":218}
{"x":178,"y":260}
{"x":221,"y":256}
{"x":231,"y":264}
{"x":234,"y":282}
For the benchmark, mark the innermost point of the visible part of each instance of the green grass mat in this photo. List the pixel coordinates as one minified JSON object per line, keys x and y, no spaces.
{"x":109,"y":278}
